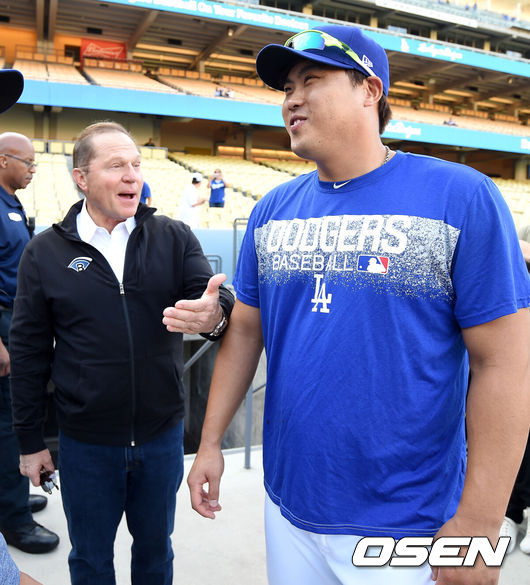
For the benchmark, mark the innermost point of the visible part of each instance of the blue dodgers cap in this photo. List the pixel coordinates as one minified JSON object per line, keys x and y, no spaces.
{"x":274,"y":62}
{"x":11,"y":86}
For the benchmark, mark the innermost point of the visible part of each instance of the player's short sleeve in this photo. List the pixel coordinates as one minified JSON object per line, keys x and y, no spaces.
{"x":489,"y":274}
{"x":246,"y":277}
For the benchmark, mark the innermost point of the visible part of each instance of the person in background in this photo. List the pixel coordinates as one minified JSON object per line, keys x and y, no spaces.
{"x":150,"y":142}
{"x":191,"y":201}
{"x":217,"y":186}
{"x":371,"y":282}
{"x":145,"y":195}
{"x":11,"y":86}
{"x":90,"y":308}
{"x":17,"y":167}
{"x":524,"y":234}
{"x":525,"y":248}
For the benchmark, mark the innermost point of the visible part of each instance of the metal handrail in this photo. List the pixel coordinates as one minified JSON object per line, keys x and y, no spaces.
{"x":249,"y":399}
{"x":198,"y":354}
{"x":238,"y":223}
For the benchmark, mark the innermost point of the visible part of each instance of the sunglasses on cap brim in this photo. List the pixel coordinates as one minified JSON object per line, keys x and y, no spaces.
{"x":319,"y":40}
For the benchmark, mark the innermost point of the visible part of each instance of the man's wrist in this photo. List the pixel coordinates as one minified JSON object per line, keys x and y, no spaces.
{"x":483,"y":519}
{"x":212,"y":441}
{"x":221,"y":326}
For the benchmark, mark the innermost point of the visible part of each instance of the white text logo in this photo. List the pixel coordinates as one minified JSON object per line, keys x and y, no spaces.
{"x":414,"y":551}
{"x":320,"y":296}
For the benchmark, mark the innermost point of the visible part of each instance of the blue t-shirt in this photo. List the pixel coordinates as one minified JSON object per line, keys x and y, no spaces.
{"x":363,"y":290}
{"x":9,"y":573}
{"x":14,"y":236}
{"x":217,"y":193}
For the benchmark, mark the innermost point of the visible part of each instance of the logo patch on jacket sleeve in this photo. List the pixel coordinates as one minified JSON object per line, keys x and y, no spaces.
{"x":80,"y":263}
{"x":373,"y":264}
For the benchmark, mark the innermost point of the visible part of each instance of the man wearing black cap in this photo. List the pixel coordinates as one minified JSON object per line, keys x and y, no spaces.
{"x":366,"y":281}
{"x":16,"y":522}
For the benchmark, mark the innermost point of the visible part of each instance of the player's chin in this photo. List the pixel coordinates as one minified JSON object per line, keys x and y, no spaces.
{"x":300,"y":149}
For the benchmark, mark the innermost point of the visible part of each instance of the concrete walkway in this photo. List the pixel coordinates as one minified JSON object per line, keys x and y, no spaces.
{"x":227,"y":551}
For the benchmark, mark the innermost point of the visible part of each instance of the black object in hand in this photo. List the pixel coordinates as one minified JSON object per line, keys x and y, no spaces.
{"x":47,"y":481}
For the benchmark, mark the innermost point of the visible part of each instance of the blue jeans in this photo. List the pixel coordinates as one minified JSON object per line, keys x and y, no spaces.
{"x":101,"y":482}
{"x":14,"y":488}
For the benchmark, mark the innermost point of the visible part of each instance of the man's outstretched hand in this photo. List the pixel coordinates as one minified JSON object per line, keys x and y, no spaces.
{"x":199,"y":315}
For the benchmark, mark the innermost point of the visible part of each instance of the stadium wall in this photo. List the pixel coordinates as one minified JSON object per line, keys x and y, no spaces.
{"x":146,"y":102}
{"x":187,"y":106}
{"x":70,"y":122}
{"x":11,"y":37}
{"x":19,"y":119}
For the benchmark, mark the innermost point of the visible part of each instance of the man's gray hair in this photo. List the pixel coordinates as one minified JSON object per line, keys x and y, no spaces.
{"x":83,"y":150}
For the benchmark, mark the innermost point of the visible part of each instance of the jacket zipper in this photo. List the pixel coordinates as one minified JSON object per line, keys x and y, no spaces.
{"x":131,"y":361}
{"x":75,"y":237}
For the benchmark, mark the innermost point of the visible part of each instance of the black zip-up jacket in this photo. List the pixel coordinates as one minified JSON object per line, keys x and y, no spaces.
{"x":116,"y":368}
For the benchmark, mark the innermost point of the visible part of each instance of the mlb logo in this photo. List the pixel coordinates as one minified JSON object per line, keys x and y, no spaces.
{"x":373,"y":264}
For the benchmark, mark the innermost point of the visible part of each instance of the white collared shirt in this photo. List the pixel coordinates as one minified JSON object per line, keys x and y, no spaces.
{"x":112,"y":245}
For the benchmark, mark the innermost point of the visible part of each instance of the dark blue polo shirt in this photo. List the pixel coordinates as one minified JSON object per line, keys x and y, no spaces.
{"x":14,"y":235}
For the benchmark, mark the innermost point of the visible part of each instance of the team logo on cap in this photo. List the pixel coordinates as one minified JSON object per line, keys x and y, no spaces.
{"x":373,"y":264}
{"x":367,"y":61}
{"x":80,"y":263}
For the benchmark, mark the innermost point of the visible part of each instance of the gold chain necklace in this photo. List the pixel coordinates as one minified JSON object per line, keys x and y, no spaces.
{"x":388,"y":152}
{"x":387,"y":156}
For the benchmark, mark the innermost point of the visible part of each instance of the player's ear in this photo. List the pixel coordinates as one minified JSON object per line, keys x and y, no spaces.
{"x":373,"y":88}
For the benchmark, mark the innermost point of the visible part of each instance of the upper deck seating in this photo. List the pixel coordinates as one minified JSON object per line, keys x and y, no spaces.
{"x":122,"y":75}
